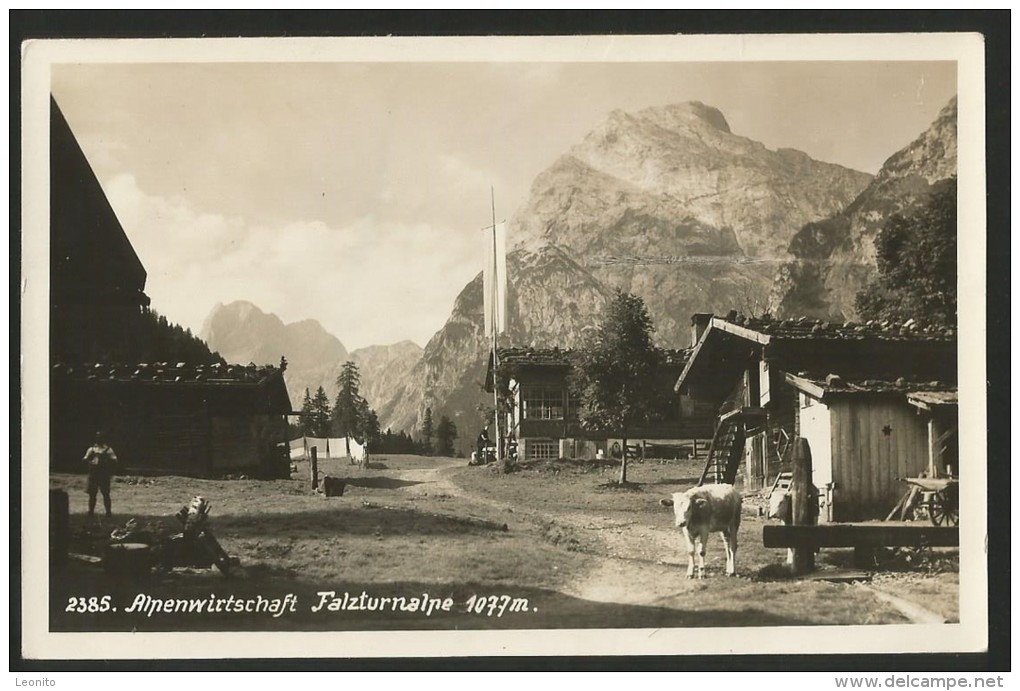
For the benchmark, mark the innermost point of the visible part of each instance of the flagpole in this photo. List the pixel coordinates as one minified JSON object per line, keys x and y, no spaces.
{"x":495,"y":328}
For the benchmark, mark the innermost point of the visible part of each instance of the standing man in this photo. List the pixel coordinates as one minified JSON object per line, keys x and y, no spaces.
{"x":483,"y":446}
{"x":102,"y":463}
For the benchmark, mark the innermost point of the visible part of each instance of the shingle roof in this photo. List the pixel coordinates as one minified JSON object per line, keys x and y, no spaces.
{"x":170,"y":373}
{"x":935,"y":398}
{"x":539,"y":357}
{"x":833,"y":384}
{"x":559,"y":357}
{"x":805,"y":328}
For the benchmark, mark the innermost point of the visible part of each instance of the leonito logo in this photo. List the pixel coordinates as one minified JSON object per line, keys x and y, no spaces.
{"x":45,"y":681}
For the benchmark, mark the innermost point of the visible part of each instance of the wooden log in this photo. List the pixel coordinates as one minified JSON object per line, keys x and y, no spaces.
{"x":60,"y":525}
{"x":803,"y":513}
{"x":314,"y":468}
{"x":877,"y":534}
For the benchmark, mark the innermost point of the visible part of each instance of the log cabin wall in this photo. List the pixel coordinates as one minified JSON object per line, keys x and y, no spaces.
{"x":193,"y":428}
{"x":544,"y":415}
{"x":234,"y":443}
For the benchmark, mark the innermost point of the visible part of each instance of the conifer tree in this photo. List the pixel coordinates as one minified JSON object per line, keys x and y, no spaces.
{"x":616,"y":372}
{"x":427,"y":432}
{"x":446,"y":433}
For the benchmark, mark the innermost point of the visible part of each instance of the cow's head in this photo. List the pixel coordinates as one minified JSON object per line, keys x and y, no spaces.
{"x":689,"y":508}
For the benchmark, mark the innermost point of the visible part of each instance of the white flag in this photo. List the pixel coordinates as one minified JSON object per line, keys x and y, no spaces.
{"x":494,"y":278}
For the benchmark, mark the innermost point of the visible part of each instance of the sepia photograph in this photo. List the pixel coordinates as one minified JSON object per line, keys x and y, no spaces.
{"x":436,"y":347}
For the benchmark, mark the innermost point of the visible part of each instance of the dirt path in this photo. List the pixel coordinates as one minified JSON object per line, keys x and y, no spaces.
{"x":643,"y":564}
{"x":633,"y":562}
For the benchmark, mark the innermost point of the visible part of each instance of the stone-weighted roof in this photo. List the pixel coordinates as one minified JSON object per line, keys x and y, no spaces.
{"x":559,"y":357}
{"x":170,"y":373}
{"x":833,"y":384}
{"x":805,"y":328}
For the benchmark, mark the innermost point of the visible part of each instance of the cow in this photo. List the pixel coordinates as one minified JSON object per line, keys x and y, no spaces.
{"x":708,"y":509}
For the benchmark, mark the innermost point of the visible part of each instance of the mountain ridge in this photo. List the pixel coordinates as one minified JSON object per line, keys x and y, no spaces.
{"x":670,"y":204}
{"x":835,"y":258}
{"x":667,"y":203}
{"x":244,"y":333}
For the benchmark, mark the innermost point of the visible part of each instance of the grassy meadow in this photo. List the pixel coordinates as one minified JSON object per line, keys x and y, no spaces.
{"x":557,"y":538}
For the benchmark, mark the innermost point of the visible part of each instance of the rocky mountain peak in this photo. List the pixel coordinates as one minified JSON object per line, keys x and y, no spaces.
{"x":225,"y":322}
{"x":674,"y":179}
{"x":665,"y":202}
{"x":668,"y":203}
{"x":689,"y":113}
{"x":932,"y":155}
{"x":833,"y":259}
{"x":244,"y":333}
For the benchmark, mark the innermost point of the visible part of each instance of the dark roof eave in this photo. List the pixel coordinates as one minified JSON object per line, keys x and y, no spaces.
{"x":689,"y":364}
{"x":717,"y":325}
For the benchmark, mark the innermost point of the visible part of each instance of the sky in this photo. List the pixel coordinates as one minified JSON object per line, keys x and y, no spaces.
{"x":355,"y":193}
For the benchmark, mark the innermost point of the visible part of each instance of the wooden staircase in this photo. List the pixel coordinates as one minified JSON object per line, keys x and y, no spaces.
{"x":727,"y":448}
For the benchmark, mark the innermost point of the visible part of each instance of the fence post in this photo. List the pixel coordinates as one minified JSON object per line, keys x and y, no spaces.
{"x":315,"y":468}
{"x":803,"y":513}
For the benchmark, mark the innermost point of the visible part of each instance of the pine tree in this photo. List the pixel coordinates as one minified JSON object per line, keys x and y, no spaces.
{"x":152,"y":338}
{"x":321,"y":414}
{"x":616,"y":372}
{"x":371,"y":428}
{"x":307,"y":419}
{"x":446,"y":433}
{"x":350,"y":407}
{"x":427,"y":432}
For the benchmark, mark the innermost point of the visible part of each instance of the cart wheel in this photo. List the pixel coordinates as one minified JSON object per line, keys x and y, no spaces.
{"x":944,"y":511}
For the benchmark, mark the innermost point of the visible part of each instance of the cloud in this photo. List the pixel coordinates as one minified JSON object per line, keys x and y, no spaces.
{"x":460,"y":176}
{"x":370,"y":281}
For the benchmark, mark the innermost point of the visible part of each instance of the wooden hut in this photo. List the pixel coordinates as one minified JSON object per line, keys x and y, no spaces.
{"x":179,"y":418}
{"x":839,"y":385}
{"x":97,"y":282}
{"x":867,"y":435}
{"x":543,"y":413}
{"x":201,"y":420}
